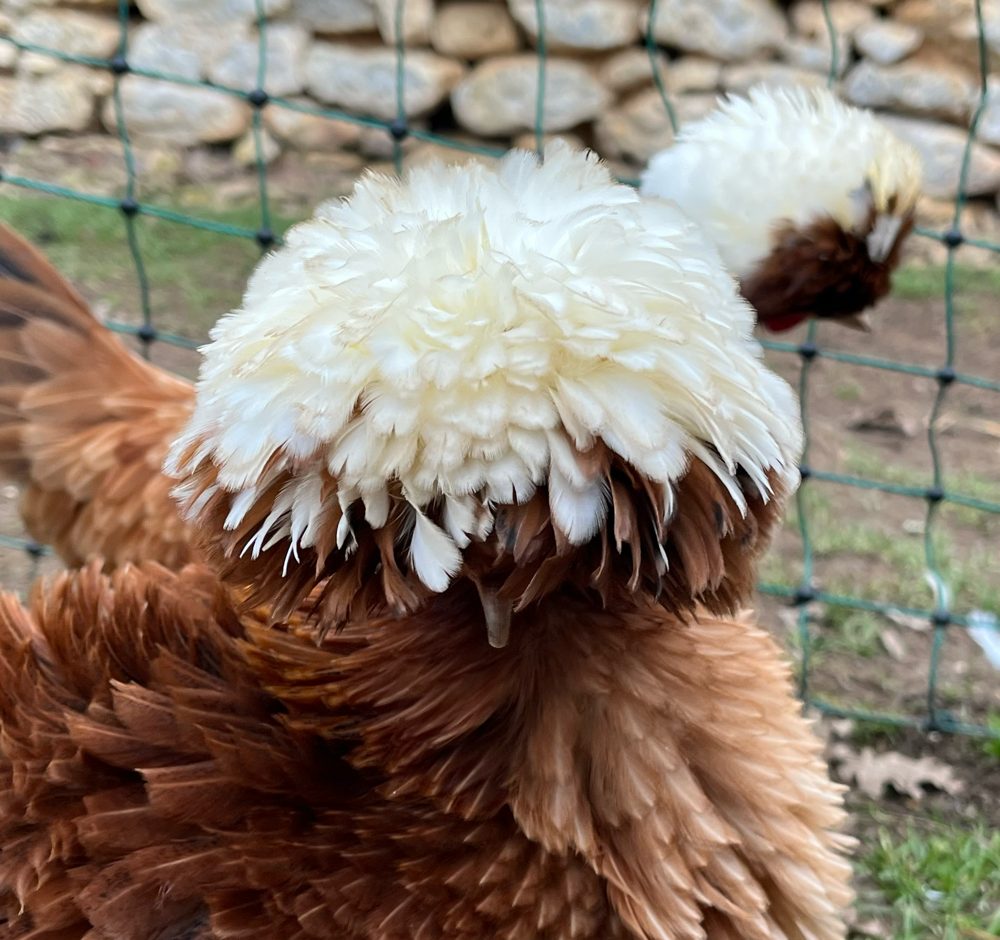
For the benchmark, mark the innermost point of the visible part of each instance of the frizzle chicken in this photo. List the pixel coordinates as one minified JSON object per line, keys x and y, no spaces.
{"x":808,"y":200}
{"x":508,"y":431}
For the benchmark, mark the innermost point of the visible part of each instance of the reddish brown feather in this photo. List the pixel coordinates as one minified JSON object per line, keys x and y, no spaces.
{"x":86,"y":424}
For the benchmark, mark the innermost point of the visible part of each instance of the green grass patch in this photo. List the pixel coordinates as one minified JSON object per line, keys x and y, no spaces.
{"x":922,"y":283}
{"x":194,"y":275}
{"x":941,"y":883}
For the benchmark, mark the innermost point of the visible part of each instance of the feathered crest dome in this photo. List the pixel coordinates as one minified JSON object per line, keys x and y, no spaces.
{"x":783,"y":155}
{"x":436,"y":348}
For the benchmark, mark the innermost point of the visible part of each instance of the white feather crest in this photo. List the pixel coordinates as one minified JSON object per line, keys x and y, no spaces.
{"x":463,"y":334}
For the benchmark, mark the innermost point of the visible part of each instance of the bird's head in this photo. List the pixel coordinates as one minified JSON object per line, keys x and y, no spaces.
{"x":525,"y":377}
{"x":807,"y":199}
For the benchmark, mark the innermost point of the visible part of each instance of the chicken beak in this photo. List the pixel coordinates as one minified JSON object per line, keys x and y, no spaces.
{"x":857,"y":321}
{"x":498,"y":612}
{"x":883,"y":237}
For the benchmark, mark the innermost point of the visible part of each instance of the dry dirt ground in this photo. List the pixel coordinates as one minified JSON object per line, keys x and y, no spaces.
{"x":862,"y":421}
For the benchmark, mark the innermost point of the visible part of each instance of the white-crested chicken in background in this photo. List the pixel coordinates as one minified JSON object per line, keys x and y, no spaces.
{"x":808,"y":199}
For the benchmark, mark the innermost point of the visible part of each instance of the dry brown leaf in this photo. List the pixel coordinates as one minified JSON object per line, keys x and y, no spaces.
{"x":874,"y":772}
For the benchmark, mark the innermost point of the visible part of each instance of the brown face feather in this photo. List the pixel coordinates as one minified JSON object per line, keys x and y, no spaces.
{"x":819,"y":271}
{"x":708,"y":557}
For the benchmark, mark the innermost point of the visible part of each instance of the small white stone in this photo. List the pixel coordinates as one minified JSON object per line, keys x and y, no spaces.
{"x":219,"y":12}
{"x":809,"y":18}
{"x":739,"y":79}
{"x":70,"y":31}
{"x":285,"y":56}
{"x":723,"y":29}
{"x":178,"y":113}
{"x":303,"y":131}
{"x":499,"y":96}
{"x":363,"y":80}
{"x":528,"y":142}
{"x":334,"y":16}
{"x":640,"y":127}
{"x":469,"y":30}
{"x":62,"y":100}
{"x":917,"y":87}
{"x":8,"y":56}
{"x":816,"y":54}
{"x":886,"y":41}
{"x":629,"y":68}
{"x":183,"y":49}
{"x":245,"y":149}
{"x":417,"y":18}
{"x":941,"y":148}
{"x":581,"y":24}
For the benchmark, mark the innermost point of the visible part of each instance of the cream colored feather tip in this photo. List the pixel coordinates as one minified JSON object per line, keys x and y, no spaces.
{"x":462,"y":336}
{"x":785,"y":154}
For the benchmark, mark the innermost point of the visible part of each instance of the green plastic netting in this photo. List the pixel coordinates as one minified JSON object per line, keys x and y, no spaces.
{"x":942,"y":617}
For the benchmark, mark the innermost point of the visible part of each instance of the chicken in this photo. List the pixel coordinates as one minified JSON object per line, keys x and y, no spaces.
{"x":84,"y":424}
{"x":507,"y":431}
{"x":807,"y":199}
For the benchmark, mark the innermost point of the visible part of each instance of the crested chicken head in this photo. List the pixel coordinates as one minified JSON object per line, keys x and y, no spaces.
{"x":524,"y":376}
{"x":807,"y":199}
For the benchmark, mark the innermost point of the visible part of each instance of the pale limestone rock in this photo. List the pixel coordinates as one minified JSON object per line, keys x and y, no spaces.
{"x":499,"y":96}
{"x":469,"y":30}
{"x":809,"y":19}
{"x":950,"y":25}
{"x":286,"y":51}
{"x":184,"y":48}
{"x":180,"y":114}
{"x":36,"y":63}
{"x":816,"y":54}
{"x":739,"y":79}
{"x":8,"y":56}
{"x":62,"y":100}
{"x":887,"y":42}
{"x":245,"y":149}
{"x":417,"y":18}
{"x":302,"y":131}
{"x":431,"y":152}
{"x":527,"y":141}
{"x":692,"y":74}
{"x":334,"y":16}
{"x":581,"y":24}
{"x":70,"y":31}
{"x":913,"y":87}
{"x":209,"y":11}
{"x":988,"y":129}
{"x":94,"y":163}
{"x":629,"y":68}
{"x":941,"y":148}
{"x":363,"y":80}
{"x":377,"y":144}
{"x":723,"y":29}
{"x":640,"y":127}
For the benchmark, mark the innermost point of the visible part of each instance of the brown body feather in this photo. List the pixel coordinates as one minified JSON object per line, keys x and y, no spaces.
{"x":84,"y":424}
{"x":172,"y":769}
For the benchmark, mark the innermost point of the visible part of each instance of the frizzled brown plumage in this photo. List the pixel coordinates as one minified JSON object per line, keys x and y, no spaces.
{"x":84,"y":423}
{"x":174,"y":769}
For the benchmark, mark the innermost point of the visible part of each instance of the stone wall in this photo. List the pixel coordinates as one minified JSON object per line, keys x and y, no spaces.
{"x":471,"y":73}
